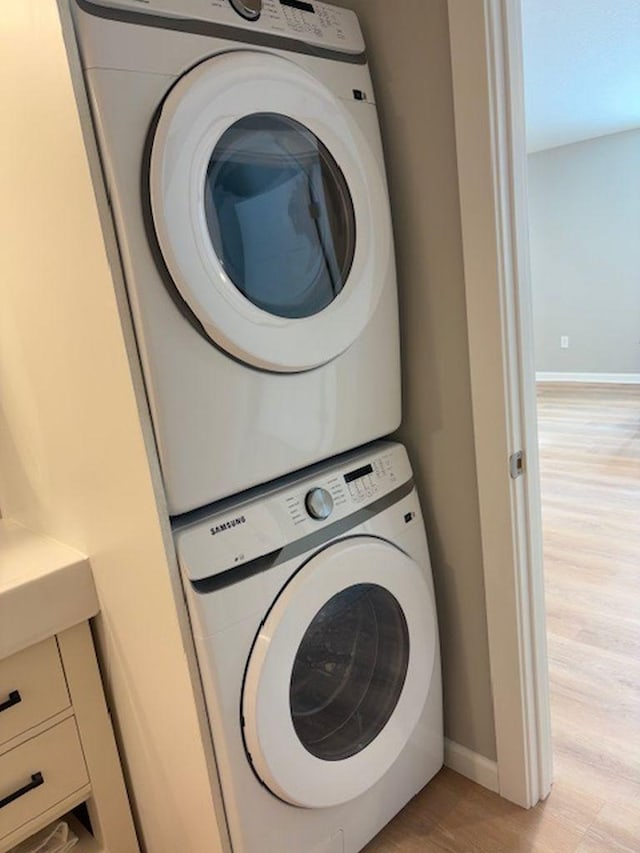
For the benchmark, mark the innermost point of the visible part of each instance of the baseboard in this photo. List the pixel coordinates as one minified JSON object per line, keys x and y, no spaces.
{"x":592,"y":378}
{"x":471,"y":764}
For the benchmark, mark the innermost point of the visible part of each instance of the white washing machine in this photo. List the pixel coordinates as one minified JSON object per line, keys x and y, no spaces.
{"x":315,"y":626}
{"x":242,"y":158}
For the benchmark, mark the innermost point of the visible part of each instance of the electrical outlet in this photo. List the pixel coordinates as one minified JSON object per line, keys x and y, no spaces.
{"x":564,"y":341}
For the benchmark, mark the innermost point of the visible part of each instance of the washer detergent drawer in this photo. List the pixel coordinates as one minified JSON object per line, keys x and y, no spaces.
{"x":39,"y":773}
{"x":32,"y":689}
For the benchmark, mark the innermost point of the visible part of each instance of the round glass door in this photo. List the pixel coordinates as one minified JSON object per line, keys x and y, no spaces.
{"x":270,"y":208}
{"x":280,"y":215}
{"x":339,"y":673}
{"x":349,"y":672}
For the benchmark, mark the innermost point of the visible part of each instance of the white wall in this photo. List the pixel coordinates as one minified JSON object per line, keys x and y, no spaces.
{"x":411,"y":67}
{"x":584,"y":211}
{"x":76,"y":452}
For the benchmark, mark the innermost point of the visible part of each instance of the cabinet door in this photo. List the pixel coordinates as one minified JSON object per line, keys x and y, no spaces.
{"x":32,"y":688}
{"x":39,"y":773}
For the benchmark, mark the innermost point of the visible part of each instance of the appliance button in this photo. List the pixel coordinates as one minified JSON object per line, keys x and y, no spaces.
{"x":249,"y":9}
{"x":319,"y":503}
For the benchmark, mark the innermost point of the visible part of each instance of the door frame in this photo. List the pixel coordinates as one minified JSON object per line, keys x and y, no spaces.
{"x":487,"y":66}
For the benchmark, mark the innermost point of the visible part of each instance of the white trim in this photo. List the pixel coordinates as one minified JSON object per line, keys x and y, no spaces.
{"x":471,"y":764}
{"x":592,"y":378}
{"x":486,"y":54}
{"x":508,"y":44}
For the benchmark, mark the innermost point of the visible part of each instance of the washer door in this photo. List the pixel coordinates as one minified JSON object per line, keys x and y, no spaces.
{"x":339,"y":673}
{"x":270,"y":210}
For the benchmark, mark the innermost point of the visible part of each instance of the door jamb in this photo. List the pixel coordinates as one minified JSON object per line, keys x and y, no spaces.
{"x":486,"y":55}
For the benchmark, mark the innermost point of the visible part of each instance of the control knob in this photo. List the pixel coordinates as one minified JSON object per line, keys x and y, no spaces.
{"x":249,"y":9}
{"x":319,"y":503}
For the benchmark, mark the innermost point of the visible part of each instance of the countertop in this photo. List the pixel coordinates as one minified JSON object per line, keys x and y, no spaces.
{"x":45,"y":587}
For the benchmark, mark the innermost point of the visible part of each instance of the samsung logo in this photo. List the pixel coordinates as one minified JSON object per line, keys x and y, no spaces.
{"x":227,"y":525}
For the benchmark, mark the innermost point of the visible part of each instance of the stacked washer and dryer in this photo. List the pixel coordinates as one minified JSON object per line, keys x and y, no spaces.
{"x":242,"y":161}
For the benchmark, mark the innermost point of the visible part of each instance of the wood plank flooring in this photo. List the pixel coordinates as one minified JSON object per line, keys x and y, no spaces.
{"x":590,"y":467}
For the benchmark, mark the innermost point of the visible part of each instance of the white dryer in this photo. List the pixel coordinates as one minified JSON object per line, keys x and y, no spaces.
{"x":242,"y":158}
{"x":315,"y":626}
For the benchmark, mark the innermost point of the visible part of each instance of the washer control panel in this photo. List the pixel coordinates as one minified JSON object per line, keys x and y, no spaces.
{"x":347,"y":490}
{"x":310,"y":21}
{"x":369,"y":480}
{"x":276,"y":517}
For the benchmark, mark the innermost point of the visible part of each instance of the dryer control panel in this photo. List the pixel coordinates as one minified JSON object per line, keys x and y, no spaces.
{"x":273,"y":520}
{"x":312,"y":22}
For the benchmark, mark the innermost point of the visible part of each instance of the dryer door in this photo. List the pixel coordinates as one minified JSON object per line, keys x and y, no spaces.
{"x":339,"y":673}
{"x":271,"y":210}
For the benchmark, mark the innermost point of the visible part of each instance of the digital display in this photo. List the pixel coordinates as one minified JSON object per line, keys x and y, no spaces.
{"x":361,"y":472}
{"x":298,"y":4}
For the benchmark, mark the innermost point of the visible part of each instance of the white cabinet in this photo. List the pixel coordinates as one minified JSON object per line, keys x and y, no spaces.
{"x":57,"y":747}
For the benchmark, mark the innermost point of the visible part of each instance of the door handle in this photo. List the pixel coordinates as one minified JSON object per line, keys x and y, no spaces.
{"x":14,"y":699}
{"x":37,"y":779}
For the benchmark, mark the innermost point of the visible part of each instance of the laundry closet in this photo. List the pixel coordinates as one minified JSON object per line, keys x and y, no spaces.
{"x":204,"y":422}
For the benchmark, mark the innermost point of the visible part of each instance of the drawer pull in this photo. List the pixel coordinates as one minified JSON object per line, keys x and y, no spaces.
{"x":14,"y":699}
{"x":37,"y":779}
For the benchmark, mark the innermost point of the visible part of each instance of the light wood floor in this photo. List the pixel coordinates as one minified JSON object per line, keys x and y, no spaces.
{"x":590,"y":465}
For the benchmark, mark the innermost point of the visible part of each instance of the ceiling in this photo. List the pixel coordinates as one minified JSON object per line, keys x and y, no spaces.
{"x":582,"y":69}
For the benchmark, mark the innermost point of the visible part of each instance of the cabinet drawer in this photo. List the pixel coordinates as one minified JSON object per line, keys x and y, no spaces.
{"x":32,"y":688}
{"x":39,"y":773}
